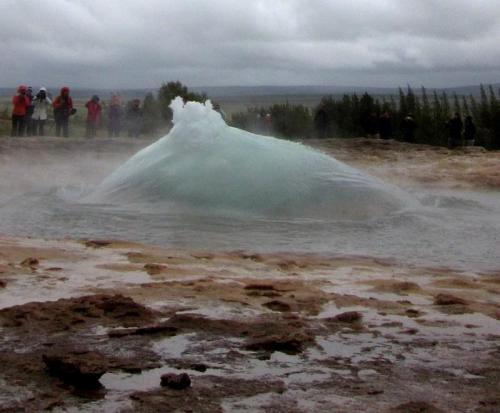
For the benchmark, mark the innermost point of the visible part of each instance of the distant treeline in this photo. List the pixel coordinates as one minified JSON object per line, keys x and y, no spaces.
{"x":345,"y":117}
{"x":348,"y":116}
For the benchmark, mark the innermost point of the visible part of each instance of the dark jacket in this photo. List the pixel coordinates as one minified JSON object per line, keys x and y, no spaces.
{"x":455,"y":127}
{"x":63,"y":105}
{"x":469,"y":130}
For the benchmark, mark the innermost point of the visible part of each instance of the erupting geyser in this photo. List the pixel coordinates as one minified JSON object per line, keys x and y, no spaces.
{"x":206,"y":166}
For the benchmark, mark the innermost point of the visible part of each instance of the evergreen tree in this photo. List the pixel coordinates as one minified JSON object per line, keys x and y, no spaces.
{"x":475,"y":110}
{"x":150,"y":114}
{"x":484,"y":109}
{"x":465,"y":106}
{"x":169,"y":91}
{"x":445,"y":105}
{"x":456,"y":104}
{"x":426,"y":130}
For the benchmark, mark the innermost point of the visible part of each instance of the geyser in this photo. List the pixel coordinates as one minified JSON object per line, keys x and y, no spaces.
{"x":206,"y":166}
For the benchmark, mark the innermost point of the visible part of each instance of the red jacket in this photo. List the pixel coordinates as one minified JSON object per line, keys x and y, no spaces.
{"x":19,"y":104}
{"x":93,"y":111}
{"x":63,"y":104}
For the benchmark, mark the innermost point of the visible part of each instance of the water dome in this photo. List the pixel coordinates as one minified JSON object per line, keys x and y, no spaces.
{"x":206,"y":166}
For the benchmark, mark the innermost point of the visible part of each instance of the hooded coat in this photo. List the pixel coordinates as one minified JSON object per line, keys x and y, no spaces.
{"x":93,"y":111}
{"x":63,"y":104}
{"x":20,"y":102}
{"x":41,"y":105}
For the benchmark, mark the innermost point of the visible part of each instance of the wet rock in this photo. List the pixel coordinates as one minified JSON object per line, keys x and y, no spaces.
{"x":202,"y":368}
{"x":176,"y":381}
{"x":347,"y":317}
{"x":374,"y":392}
{"x":161,"y":328}
{"x":207,"y":396}
{"x":97,"y":243}
{"x":448,"y":299}
{"x":203,"y":256}
{"x":30,"y":262}
{"x":252,"y":257}
{"x":415,"y":407}
{"x":411,"y":312}
{"x":155,"y":269}
{"x":132,"y":369}
{"x":260,"y":287}
{"x":79,"y":368}
{"x":286,"y":343}
{"x":277,"y":305}
{"x":63,"y":314}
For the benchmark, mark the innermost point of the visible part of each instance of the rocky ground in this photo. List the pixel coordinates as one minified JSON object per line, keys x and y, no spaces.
{"x":113,"y":326}
{"x":93,"y":326}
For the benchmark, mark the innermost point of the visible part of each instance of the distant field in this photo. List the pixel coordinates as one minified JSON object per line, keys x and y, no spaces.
{"x":233,"y":104}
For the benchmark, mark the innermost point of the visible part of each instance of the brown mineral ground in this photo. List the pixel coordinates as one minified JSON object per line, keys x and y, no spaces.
{"x":268,"y":332}
{"x":428,"y":166}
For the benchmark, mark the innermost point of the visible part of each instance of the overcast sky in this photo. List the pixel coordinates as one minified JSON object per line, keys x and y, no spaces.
{"x":141,"y":43}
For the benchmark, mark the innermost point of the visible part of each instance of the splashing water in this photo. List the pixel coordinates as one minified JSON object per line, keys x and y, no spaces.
{"x":207,"y":166}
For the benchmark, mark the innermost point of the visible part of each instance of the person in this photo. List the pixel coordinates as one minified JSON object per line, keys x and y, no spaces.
{"x":20,"y":103}
{"x":63,"y":109}
{"x":41,"y":105}
{"x":321,"y":123}
{"x":29,"y":112}
{"x":408,"y":127}
{"x":134,"y":118}
{"x":115,"y":113}
{"x":469,"y":131}
{"x":385,"y":126}
{"x":370,"y":125}
{"x":93,"y":116}
{"x":455,"y":126}
{"x":268,"y":123}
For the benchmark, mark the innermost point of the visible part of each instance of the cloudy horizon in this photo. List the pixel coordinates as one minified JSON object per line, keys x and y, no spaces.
{"x":133,"y":44}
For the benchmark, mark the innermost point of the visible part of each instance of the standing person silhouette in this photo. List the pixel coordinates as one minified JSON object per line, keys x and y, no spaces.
{"x":115,"y":114}
{"x":41,"y":105}
{"x":455,"y":126}
{"x":469,"y":131}
{"x":408,"y":126}
{"x":93,"y":116}
{"x":63,"y":109}
{"x":20,"y":104}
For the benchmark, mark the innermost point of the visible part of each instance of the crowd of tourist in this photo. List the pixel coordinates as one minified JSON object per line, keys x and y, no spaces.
{"x":30,"y":114}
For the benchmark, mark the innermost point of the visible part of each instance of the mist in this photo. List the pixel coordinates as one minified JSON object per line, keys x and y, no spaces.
{"x":38,"y":165}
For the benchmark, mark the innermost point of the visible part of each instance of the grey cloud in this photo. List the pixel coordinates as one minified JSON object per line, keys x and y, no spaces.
{"x":119,"y":43}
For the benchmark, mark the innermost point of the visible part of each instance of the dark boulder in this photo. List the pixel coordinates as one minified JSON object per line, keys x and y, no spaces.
{"x":175,"y":381}
{"x":79,"y":368}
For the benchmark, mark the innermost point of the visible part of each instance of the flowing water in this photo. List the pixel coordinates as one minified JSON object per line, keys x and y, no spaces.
{"x":209,"y":186}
